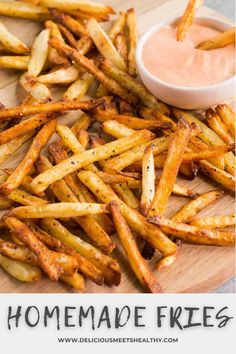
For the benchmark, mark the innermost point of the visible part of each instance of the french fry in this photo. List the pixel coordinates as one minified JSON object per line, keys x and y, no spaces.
{"x":5,"y":204}
{"x":28,"y":109}
{"x":216,"y":124}
{"x":187,"y":19}
{"x":11,"y":43}
{"x":41,"y":182}
{"x":116,"y":129}
{"x":69,"y":22}
{"x":115,"y":178}
{"x":89,"y":65}
{"x":83,"y":138}
{"x":118,"y":26}
{"x":135,"y":220}
{"x":39,"y":92}
{"x":148,"y":180}
{"x":173,"y":160}
{"x":168,"y":261}
{"x":20,"y":271}
{"x":126,"y":195}
{"x":214,"y":222}
{"x":53,"y":56}
{"x":40,"y":140}
{"x":133,"y":39}
{"x":84,"y":45}
{"x":131,"y":122}
{"x":149,"y":113}
{"x":192,"y":208}
{"x":14,"y":62}
{"x":60,"y":76}
{"x":39,"y":53}
{"x":8,"y":149}
{"x":83,"y":15}
{"x":228,"y":117}
{"x":210,"y":152}
{"x":184,"y":191}
{"x":79,"y":88}
{"x":125,"y":108}
{"x":126,"y":81}
{"x":194,"y":234}
{"x":101,"y":91}
{"x":83,"y":122}
{"x":27,"y":237}
{"x":106,"y":264}
{"x":225,"y":179}
{"x":83,"y":5}
{"x":68,"y":37}
{"x":221,"y":40}
{"x":24,"y":198}
{"x":137,"y":263}
{"x":76,"y":281}
{"x":20,"y":9}
{"x":104,"y":44}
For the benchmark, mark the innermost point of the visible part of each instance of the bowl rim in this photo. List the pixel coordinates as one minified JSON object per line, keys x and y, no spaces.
{"x":154,"y":29}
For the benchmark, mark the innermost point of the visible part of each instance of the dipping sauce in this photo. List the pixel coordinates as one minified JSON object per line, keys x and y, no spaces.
{"x":179,"y":63}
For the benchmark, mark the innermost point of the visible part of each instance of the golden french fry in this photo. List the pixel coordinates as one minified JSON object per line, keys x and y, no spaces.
{"x":11,"y":43}
{"x":168,"y":261}
{"x":216,"y":124}
{"x":101,"y":91}
{"x":126,"y":195}
{"x":125,"y":108}
{"x":187,"y":19}
{"x":116,"y":129}
{"x":20,"y":271}
{"x":137,"y":263}
{"x":68,"y":37}
{"x":39,"y":92}
{"x":14,"y":62}
{"x":118,"y":178}
{"x":192,"y":208}
{"x":24,"y":198}
{"x":221,"y":40}
{"x":120,"y":43}
{"x":133,"y":39}
{"x":5,"y":203}
{"x":20,"y":9}
{"x":218,"y":175}
{"x":118,"y":26}
{"x":135,"y":220}
{"x":83,"y":138}
{"x":104,"y":44}
{"x":83,"y":5}
{"x":42,"y":181}
{"x":173,"y":160}
{"x":40,"y":140}
{"x":214,"y":222}
{"x":83,"y":122}
{"x":60,"y":76}
{"x":27,"y":237}
{"x":76,"y":281}
{"x":84,"y":45}
{"x":79,"y":88}
{"x":69,"y":22}
{"x":39,"y":53}
{"x":7,"y":150}
{"x":228,"y":117}
{"x":53,"y":56}
{"x":194,"y":234}
{"x":148,"y":180}
{"x":210,"y":152}
{"x":149,"y":113}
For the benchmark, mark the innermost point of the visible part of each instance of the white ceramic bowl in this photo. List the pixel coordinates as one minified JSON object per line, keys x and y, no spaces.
{"x":184,"y":96}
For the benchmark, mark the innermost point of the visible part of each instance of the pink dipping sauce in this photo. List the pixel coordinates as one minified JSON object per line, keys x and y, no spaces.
{"x":179,"y":63}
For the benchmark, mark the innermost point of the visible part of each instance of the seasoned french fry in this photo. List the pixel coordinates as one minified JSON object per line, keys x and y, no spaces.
{"x":104,"y":44}
{"x":60,"y":76}
{"x":228,"y":117}
{"x":149,"y":113}
{"x":210,"y":152}
{"x":135,"y":220}
{"x":115,"y":178}
{"x":131,"y":122}
{"x":84,"y":45}
{"x":118,"y":26}
{"x":126,"y":195}
{"x":69,"y":22}
{"x":5,"y":203}
{"x":148,"y":180}
{"x":20,"y":9}
{"x":53,"y":56}
{"x":187,"y":19}
{"x":41,"y":182}
{"x":194,"y":234}
{"x":221,"y":40}
{"x":168,"y":261}
{"x":83,"y":138}
{"x":27,"y":237}
{"x":8,"y":149}
{"x":137,"y":263}
{"x":190,"y":209}
{"x":125,"y":108}
{"x":83,"y":5}
{"x":218,"y":175}
{"x":11,"y":43}
{"x":76,"y":281}
{"x":79,"y":88}
{"x":116,"y":129}
{"x":101,"y":91}
{"x":14,"y":62}
{"x":170,"y":170}
{"x":214,"y":222}
{"x":126,"y":81}
{"x":39,"y":92}
{"x":68,"y":37}
{"x":40,"y":140}
{"x":39,"y":53}
{"x":24,"y":198}
{"x":83,"y":122}
{"x":89,"y":65}
{"x":84,"y":15}
{"x":133,"y":39}
{"x":216,"y":124}
{"x":120,"y":42}
{"x":20,"y":271}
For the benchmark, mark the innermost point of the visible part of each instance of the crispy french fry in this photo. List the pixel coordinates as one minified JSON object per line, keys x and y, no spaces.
{"x":5,"y":203}
{"x":76,"y":281}
{"x":148,"y":180}
{"x":53,"y":56}
{"x":83,"y":122}
{"x":149,"y":113}
{"x":8,"y":149}
{"x":117,"y":178}
{"x":101,"y":91}
{"x":20,"y":271}
{"x":69,"y":22}
{"x":126,"y":81}
{"x":24,"y":198}
{"x":192,"y":208}
{"x":68,"y":37}
{"x":135,"y":220}
{"x":20,"y":9}
{"x":187,"y":19}
{"x":27,"y":237}
{"x":216,"y":124}
{"x":118,"y":26}
{"x":133,"y":39}
{"x":184,"y":191}
{"x":79,"y":88}
{"x":60,"y":76}
{"x":77,"y":161}
{"x":83,"y":138}
{"x":214,"y":222}
{"x":194,"y":234}
{"x":83,"y":5}
{"x":228,"y":117}
{"x":221,"y":40}
{"x":225,"y":179}
{"x":137,"y":263}
{"x":84,"y":15}
{"x":89,"y":65}
{"x":84,"y":45}
{"x":14,"y":62}
{"x":126,"y":195}
{"x":168,"y":261}
{"x":210,"y":152}
{"x":104,"y":44}
{"x":39,"y":92}
{"x":131,"y":122}
{"x":40,"y":140}
{"x":11,"y":43}
{"x":116,"y":129}
{"x":125,"y":108}
{"x":120,"y":42}
{"x":39,"y":53}
{"x":173,"y":160}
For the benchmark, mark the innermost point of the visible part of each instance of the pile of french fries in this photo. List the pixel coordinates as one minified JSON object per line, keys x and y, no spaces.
{"x":81,"y":190}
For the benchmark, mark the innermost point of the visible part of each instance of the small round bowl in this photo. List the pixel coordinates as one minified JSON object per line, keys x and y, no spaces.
{"x":186,"y":97}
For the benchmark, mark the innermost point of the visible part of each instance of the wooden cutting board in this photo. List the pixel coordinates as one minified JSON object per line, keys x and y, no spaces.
{"x":199,"y":268}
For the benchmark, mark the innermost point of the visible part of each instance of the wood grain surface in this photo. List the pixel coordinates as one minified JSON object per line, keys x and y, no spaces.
{"x":198,"y":269}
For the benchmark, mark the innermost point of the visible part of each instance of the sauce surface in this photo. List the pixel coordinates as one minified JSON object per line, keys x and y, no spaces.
{"x":179,"y":63}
